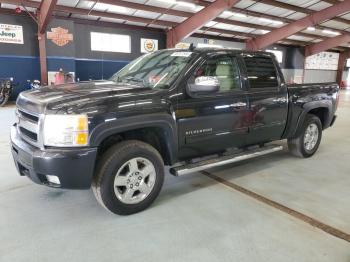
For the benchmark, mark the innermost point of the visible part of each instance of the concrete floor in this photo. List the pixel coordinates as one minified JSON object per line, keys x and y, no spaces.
{"x":195,"y":218}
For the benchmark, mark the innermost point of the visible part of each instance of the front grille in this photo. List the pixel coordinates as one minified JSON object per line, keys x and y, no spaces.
{"x":28,"y":126}
{"x":29,"y":134}
{"x":28,"y":116}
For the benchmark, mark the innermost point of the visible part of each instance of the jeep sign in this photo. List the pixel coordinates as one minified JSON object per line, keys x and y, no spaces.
{"x":12,"y":34}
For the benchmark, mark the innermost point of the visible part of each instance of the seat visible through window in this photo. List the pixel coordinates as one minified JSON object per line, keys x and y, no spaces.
{"x":224,"y":73}
{"x":225,"y":69}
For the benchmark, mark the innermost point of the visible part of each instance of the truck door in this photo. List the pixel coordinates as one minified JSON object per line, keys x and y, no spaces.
{"x":210,"y":121}
{"x":267,"y":98}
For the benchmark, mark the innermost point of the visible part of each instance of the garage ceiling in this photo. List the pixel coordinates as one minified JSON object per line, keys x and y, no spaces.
{"x":245,"y":20}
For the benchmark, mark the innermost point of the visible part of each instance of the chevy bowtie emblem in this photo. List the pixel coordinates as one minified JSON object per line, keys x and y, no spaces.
{"x":59,"y":36}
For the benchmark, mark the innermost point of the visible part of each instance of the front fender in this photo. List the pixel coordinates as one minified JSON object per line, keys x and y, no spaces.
{"x":164,"y":121}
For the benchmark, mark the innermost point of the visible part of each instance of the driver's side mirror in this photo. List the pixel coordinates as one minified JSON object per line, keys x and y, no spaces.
{"x":204,"y":84}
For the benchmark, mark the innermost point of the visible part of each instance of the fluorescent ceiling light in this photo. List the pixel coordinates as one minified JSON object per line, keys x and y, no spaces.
{"x":210,"y":23}
{"x":239,"y":15}
{"x":184,"y":3}
{"x":168,"y":1}
{"x":263,"y":19}
{"x":111,"y":8}
{"x":330,"y":32}
{"x":118,"y":9}
{"x":227,"y":13}
{"x":311,"y":28}
{"x":276,"y":22}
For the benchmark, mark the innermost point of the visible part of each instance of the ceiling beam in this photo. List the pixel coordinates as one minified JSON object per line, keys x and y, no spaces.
{"x":174,"y":12}
{"x":279,"y":4}
{"x":133,"y":27}
{"x":331,"y":1}
{"x":160,"y":10}
{"x":249,"y":13}
{"x":273,"y":17}
{"x":299,"y":25}
{"x":81,"y":11}
{"x":283,"y":19}
{"x":149,"y":8}
{"x":45,"y":13}
{"x":299,"y":9}
{"x":197,"y":20}
{"x":326,"y":44}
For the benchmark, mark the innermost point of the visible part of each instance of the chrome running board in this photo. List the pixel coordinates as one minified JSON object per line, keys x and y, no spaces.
{"x":223,"y":160}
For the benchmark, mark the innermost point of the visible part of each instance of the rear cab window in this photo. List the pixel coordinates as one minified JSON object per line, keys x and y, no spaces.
{"x":261,"y":72}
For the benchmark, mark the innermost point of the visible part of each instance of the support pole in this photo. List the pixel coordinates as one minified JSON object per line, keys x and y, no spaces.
{"x":44,"y":16}
{"x":43,"y":60}
{"x":341,"y":65}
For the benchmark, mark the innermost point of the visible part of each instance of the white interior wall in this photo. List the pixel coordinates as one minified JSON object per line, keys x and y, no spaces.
{"x":346,"y":75}
{"x":320,"y":76}
{"x":293,"y":76}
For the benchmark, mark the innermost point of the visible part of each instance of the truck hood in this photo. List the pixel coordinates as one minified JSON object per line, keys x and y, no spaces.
{"x":61,"y":97}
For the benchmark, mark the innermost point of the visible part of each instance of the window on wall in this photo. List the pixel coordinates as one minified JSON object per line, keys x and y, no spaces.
{"x":110,"y":42}
{"x":261,"y":72}
{"x":278,"y":54}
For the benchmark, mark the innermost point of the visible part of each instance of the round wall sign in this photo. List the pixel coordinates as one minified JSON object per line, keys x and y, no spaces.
{"x":149,"y":45}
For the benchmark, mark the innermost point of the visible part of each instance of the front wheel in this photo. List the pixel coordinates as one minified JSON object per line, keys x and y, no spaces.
{"x":307,"y":143}
{"x":129,"y":177}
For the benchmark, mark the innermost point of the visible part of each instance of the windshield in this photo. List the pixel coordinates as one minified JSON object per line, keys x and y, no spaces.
{"x":155,"y":70}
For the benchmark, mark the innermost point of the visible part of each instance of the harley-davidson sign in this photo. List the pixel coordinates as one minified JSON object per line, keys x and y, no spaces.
{"x":59,"y":36}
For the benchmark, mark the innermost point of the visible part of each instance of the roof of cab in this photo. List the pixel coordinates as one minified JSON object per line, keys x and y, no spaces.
{"x":208,"y":50}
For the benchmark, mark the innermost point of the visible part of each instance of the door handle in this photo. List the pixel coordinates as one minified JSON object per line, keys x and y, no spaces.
{"x":239,"y":104}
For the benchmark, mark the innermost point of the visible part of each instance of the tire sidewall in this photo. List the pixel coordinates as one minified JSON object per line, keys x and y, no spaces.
{"x":311,"y":120}
{"x":108,"y":195}
{"x":3,"y":100}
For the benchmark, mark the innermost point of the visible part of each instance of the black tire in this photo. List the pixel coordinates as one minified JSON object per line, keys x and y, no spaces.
{"x":3,"y":100}
{"x":111,"y":162}
{"x":297,"y":146}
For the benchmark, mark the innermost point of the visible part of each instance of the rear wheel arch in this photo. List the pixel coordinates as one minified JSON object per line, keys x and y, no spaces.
{"x":322,"y":112}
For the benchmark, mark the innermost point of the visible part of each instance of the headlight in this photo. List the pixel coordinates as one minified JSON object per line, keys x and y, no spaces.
{"x":65,"y":130}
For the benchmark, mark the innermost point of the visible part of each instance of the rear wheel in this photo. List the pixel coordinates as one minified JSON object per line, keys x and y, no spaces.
{"x":3,"y":99}
{"x":307,"y":143}
{"x":129,"y":177}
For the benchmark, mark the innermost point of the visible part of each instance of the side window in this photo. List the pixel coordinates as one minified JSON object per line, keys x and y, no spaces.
{"x":261,"y":72}
{"x":223,"y":70}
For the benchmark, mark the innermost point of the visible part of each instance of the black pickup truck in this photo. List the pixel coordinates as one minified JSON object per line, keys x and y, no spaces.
{"x":188,"y":109}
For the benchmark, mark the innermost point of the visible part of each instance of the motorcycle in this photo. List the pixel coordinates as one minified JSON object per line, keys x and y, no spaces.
{"x":6,"y":86}
{"x":33,"y":84}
